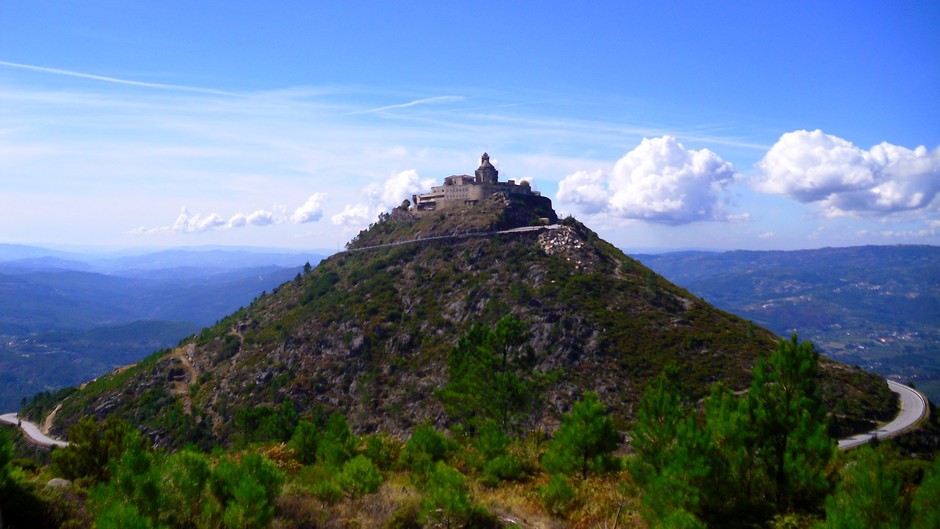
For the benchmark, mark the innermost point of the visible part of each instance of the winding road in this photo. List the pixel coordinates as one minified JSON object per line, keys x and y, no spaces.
{"x":31,"y":430}
{"x":913,"y":409}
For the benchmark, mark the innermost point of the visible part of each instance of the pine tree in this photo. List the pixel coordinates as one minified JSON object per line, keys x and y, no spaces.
{"x":490,"y":376}
{"x":672,"y":456}
{"x":584,"y":440}
{"x":868,"y":497}
{"x":789,"y":420}
{"x":655,"y":431}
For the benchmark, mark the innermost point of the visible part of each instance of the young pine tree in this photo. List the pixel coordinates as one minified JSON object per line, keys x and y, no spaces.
{"x":869,"y":495}
{"x":584,"y":440}
{"x":789,"y":421}
{"x":490,"y":376}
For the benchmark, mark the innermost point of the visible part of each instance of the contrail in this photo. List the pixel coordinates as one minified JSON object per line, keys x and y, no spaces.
{"x":416,"y":102}
{"x":81,"y":75}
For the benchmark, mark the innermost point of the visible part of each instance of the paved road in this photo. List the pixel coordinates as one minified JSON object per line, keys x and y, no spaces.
{"x":913,"y":408}
{"x":32,"y":431}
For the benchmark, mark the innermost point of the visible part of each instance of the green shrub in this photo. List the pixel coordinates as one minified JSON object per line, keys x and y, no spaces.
{"x":558,"y":496}
{"x":926,"y":513}
{"x":407,"y":516}
{"x":446,"y":501}
{"x":491,"y":442}
{"x":305,"y":440}
{"x":506,"y":467}
{"x":327,"y":490}
{"x":92,"y":445}
{"x":360,"y":476}
{"x":337,"y":443}
{"x":382,"y":450}
{"x":247,"y":489}
{"x":426,"y":446}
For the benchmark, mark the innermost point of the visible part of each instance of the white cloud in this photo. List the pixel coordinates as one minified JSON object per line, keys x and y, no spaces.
{"x":658,"y":181}
{"x":382,"y":197}
{"x":416,"y":102}
{"x":353,"y":216}
{"x":70,"y":73}
{"x":398,"y":187}
{"x":311,"y":210}
{"x":814,"y":167}
{"x":585,"y":191}
{"x":261,"y":218}
{"x":187,"y":222}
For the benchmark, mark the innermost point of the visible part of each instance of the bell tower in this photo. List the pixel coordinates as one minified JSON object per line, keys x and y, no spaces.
{"x":486,"y":174}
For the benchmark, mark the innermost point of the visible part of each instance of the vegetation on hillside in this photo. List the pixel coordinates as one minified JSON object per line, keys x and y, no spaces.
{"x":370,"y":334}
{"x":761,"y":459}
{"x":467,"y":382}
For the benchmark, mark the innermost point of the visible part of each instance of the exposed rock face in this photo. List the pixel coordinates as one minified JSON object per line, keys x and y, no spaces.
{"x":368,"y":333}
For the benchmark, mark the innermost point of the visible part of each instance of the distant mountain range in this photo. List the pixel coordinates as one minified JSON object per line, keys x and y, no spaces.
{"x":68,"y":317}
{"x":874,"y":306}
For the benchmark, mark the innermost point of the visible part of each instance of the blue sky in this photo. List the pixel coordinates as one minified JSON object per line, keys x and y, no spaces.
{"x":292,"y":124}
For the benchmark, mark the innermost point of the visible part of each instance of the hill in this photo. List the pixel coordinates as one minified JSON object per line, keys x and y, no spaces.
{"x":873,"y":306}
{"x":369,"y":332}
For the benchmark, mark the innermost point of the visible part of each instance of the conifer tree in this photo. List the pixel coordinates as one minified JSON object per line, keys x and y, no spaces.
{"x":490,"y":377}
{"x":657,"y":421}
{"x":791,"y":443}
{"x":868,"y":497}
{"x":584,"y":440}
{"x":672,"y":461}
{"x":92,"y":446}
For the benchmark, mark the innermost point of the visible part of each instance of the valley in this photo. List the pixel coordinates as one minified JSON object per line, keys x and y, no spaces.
{"x":68,"y":318}
{"x":877,"y":307}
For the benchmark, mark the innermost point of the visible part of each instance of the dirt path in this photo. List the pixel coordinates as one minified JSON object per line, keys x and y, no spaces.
{"x":49,"y":420}
{"x":181,"y":385}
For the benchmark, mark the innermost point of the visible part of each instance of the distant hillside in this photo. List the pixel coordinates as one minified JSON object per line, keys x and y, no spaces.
{"x":67,"y":318}
{"x":369,"y":332}
{"x":874,"y":306}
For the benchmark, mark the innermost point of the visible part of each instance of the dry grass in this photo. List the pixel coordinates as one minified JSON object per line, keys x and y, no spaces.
{"x":603,"y":501}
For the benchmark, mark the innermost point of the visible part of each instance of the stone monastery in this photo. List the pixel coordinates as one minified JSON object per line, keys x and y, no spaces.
{"x":465,"y":190}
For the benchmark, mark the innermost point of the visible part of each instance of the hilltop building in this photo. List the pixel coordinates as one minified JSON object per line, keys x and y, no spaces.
{"x":465,"y":190}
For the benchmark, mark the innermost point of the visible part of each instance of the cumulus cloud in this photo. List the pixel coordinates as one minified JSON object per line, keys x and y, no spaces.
{"x":585,"y":191}
{"x":658,"y":181}
{"x":310,"y":211}
{"x":382,"y":197}
{"x":187,"y":222}
{"x":396,"y":188}
{"x":257,"y":218}
{"x":814,"y":167}
{"x":353,"y":216}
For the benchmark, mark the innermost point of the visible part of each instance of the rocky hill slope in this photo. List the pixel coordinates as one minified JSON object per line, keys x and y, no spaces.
{"x":368,"y":332}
